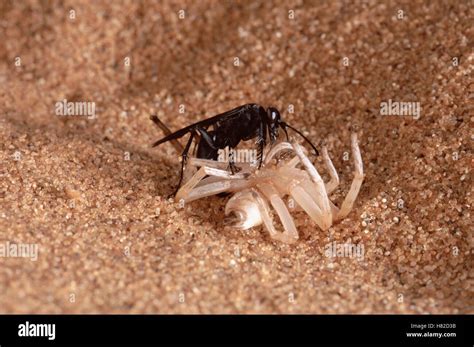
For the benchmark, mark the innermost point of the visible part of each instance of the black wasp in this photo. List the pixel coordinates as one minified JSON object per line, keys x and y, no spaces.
{"x":242,"y":123}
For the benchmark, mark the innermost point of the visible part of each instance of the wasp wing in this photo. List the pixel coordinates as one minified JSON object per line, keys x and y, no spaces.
{"x":205,"y":123}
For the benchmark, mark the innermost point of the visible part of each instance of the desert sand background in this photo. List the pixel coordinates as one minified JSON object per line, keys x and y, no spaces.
{"x":91,"y":193}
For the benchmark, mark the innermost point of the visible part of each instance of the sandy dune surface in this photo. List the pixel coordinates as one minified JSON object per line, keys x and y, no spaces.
{"x":88,"y":192}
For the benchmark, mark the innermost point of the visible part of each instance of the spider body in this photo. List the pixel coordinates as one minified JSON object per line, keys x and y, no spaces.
{"x":259,"y":194}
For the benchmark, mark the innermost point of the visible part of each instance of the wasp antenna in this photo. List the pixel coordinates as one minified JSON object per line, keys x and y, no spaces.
{"x":285,"y":125}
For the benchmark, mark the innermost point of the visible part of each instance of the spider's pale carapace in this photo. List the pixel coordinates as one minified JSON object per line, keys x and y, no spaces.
{"x":257,"y":192}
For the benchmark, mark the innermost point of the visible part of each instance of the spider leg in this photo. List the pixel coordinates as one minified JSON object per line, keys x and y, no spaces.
{"x":292,"y":163}
{"x":198,"y":162}
{"x":216,"y":187}
{"x":215,"y":164}
{"x":309,"y":205}
{"x":287,"y":140}
{"x":290,"y":234}
{"x":224,"y":173}
{"x":185,"y":190}
{"x":192,"y":190}
{"x":282,"y":146}
{"x":334,"y":182}
{"x":267,"y":220}
{"x":356,"y":183}
{"x":318,"y":190}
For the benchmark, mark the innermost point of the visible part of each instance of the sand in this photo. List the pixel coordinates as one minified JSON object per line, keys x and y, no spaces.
{"x":90,"y":192}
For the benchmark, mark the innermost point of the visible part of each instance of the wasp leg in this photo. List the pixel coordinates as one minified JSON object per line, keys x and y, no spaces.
{"x":184,"y":157}
{"x":261,"y":142}
{"x":207,"y":137}
{"x":232,"y":167}
{"x":210,"y":140}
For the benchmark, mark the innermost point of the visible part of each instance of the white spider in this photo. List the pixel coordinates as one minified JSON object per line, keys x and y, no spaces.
{"x":255,"y":190}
